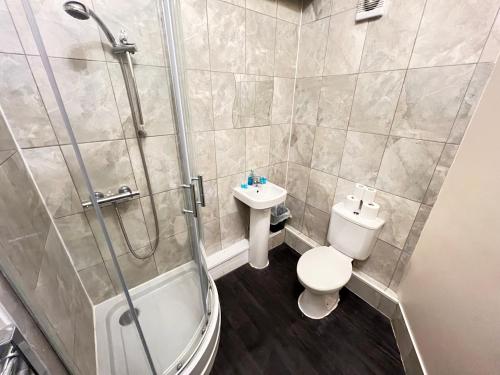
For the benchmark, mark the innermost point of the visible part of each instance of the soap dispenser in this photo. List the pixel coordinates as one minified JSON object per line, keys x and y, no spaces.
{"x":250,"y":178}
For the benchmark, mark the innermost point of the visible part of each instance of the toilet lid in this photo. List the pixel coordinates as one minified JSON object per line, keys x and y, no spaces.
{"x":324,"y":269}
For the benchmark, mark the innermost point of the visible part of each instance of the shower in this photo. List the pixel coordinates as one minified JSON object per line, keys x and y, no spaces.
{"x":123,"y":50}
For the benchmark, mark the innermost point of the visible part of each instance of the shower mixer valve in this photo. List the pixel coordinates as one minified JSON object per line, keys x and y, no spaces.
{"x":124,"y":194}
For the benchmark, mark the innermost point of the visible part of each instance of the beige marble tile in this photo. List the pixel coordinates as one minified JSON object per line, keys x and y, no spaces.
{"x":336,"y":100}
{"x":416,"y":229}
{"x":277,"y":174}
{"x":135,"y":271}
{"x":440,"y":173}
{"x":79,"y":239}
{"x":224,"y":98}
{"x":211,"y":237}
{"x":390,"y":39}
{"x":234,"y":227}
{"x":404,"y":259}
{"x":315,"y":9}
{"x":47,"y":165}
{"x":454,"y":45}
{"x":7,"y":145}
{"x":254,"y":101}
{"x":287,"y":39}
{"x":492,"y":46}
{"x":161,"y":160}
{"x":321,"y":190}
{"x":228,"y":204}
{"x":327,"y":151}
{"x":361,"y":158}
{"x":22,"y":103}
{"x":282,"y":100}
{"x":343,"y":189}
{"x":107,"y":163}
{"x":257,"y":146}
{"x":312,"y":47}
{"x":173,"y":252}
{"x":407,"y":167}
{"x":153,"y":85}
{"x":296,"y":208}
{"x":199,"y":93}
{"x":195,"y":33}
{"x":399,"y":214}
{"x":343,"y":5}
{"x":9,"y":41}
{"x":375,"y":101}
{"x":306,"y":101}
{"x":258,"y":45}
{"x":97,"y":283}
{"x":301,"y":144}
{"x":263,"y":6}
{"x":226,"y":29}
{"x":230,"y":151}
{"x":289,"y":10}
{"x":382,"y":262}
{"x":429,"y":102}
{"x":471,"y":100}
{"x":280,"y":138}
{"x":315,"y":224}
{"x":297,"y":180}
{"x":204,"y":154}
{"x":345,"y":44}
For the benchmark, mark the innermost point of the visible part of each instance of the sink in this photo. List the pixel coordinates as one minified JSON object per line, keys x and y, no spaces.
{"x":262,"y":197}
{"x":260,"y":200}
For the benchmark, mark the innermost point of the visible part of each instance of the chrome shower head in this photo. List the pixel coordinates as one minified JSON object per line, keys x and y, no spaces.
{"x":76,"y":10}
{"x":80,"y":11}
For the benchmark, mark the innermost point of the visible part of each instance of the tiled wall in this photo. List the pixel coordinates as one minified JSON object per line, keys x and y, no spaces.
{"x":384,"y":103}
{"x":33,"y":258}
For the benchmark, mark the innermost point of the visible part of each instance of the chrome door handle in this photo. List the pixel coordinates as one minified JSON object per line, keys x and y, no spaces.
{"x":194,"y":204}
{"x":201,"y":190}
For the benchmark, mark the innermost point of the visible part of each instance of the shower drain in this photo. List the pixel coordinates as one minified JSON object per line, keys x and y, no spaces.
{"x":126,"y":318}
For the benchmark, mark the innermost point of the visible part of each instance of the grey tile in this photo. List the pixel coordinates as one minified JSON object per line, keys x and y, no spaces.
{"x":375,"y":101}
{"x":79,"y":239}
{"x":22,"y":103}
{"x":407,"y":167}
{"x":254,"y":101}
{"x":234,"y":227}
{"x":343,"y":5}
{"x":224,"y":98}
{"x":9,"y":41}
{"x":301,"y":144}
{"x":382,"y":262}
{"x":297,"y":181}
{"x":390,"y":39}
{"x":336,"y":100}
{"x":345,"y":44}
{"x":212,"y":239}
{"x":280,"y":138}
{"x":287,"y":38}
{"x":361,"y":158}
{"x":297,"y":208}
{"x":453,"y":46}
{"x":387,"y":306}
{"x":315,"y":9}
{"x":199,"y":92}
{"x":135,"y":271}
{"x":416,"y":228}
{"x":399,"y":214}
{"x":289,"y":10}
{"x":97,"y":283}
{"x":315,"y":224}
{"x":327,"y":151}
{"x":429,"y":102}
{"x":400,"y":271}
{"x":277,"y":174}
{"x":226,"y":28}
{"x":230,"y":151}
{"x":440,"y":173}
{"x":228,"y":204}
{"x":204,"y":154}
{"x":161,"y":160}
{"x":344,"y":188}
{"x":263,"y":6}
{"x":258,"y":43}
{"x":306,"y":101}
{"x":321,"y":190}
{"x":195,"y":33}
{"x":470,"y":102}
{"x":492,"y":46}
{"x":173,"y":252}
{"x":48,"y":166}
{"x":364,"y":291}
{"x":282,"y":100}
{"x":257,"y":146}
{"x":312,"y":47}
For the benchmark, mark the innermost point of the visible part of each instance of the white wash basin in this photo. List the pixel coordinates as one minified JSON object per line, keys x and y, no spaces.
{"x":261,"y":197}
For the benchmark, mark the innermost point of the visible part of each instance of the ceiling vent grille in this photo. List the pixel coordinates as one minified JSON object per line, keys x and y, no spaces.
{"x":369,"y":9}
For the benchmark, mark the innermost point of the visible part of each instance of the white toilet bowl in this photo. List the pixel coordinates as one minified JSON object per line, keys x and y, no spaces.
{"x":323,"y":271}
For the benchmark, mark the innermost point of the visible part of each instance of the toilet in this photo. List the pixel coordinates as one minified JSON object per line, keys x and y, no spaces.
{"x":324,"y":270}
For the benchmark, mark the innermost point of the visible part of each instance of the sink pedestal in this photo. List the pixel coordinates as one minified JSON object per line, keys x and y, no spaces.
{"x":259,"y":237}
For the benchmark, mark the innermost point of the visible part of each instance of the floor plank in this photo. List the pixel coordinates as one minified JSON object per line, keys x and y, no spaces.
{"x":263,"y":331}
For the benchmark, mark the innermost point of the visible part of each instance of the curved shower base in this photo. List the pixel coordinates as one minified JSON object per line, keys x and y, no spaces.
{"x":173,"y":298}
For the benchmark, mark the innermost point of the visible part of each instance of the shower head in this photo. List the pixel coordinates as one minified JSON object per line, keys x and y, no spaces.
{"x":80,"y":11}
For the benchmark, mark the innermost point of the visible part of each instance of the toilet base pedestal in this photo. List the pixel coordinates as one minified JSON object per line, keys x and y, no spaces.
{"x":317,"y":306}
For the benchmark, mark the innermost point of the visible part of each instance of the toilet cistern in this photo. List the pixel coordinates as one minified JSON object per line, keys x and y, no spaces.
{"x":260,"y":199}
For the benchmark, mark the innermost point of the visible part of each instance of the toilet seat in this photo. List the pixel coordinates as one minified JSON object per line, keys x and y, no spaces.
{"x":324,"y":269}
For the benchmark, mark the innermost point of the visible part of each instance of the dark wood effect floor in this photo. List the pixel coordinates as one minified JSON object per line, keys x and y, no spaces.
{"x":263,"y":331}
